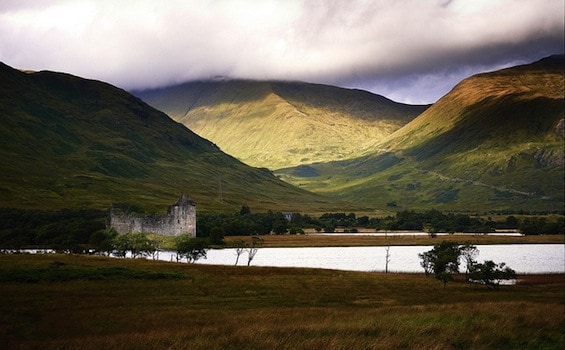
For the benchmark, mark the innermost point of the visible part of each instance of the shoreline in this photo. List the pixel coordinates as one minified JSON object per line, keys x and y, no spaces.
{"x":363,"y":240}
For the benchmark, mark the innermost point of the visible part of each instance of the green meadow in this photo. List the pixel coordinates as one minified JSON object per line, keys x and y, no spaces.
{"x":52,"y":301}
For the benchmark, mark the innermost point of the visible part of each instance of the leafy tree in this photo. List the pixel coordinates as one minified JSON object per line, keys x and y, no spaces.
{"x":102,"y":241}
{"x":280,"y":225}
{"x":491,"y":274}
{"x":442,"y":260}
{"x":136,"y":243}
{"x":511,"y":222}
{"x":244,"y":210}
{"x":121,"y":245}
{"x":540,"y":226}
{"x":427,"y":261}
{"x":296,"y":231}
{"x":191,"y":248}
{"x":217,"y":235}
{"x":469,"y":252}
{"x":141,"y":246}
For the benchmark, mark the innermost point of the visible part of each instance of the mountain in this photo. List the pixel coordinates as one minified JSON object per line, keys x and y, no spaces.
{"x":495,"y":141}
{"x":68,"y":142}
{"x":280,"y":124}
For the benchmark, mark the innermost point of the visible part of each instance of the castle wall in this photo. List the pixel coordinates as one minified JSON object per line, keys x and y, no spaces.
{"x":180,"y":219}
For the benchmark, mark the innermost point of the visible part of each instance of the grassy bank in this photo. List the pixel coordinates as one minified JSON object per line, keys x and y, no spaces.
{"x":116,"y":303}
{"x":329,"y":240}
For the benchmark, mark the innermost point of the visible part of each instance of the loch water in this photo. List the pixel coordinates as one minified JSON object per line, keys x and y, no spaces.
{"x":523,"y":258}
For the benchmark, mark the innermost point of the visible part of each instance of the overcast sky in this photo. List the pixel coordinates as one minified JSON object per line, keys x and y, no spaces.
{"x":411,"y":51}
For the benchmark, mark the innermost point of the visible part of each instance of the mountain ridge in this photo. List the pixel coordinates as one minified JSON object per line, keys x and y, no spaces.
{"x":277,"y":124}
{"x":494,"y":141}
{"x":69,"y":142}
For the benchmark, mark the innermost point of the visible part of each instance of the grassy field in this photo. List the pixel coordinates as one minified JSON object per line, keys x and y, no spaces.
{"x":68,"y":302}
{"x":329,"y":240}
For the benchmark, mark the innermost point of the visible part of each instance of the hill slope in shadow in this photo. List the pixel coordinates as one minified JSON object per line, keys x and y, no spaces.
{"x":68,"y":142}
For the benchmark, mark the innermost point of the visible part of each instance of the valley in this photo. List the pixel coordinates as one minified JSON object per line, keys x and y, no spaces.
{"x":277,"y":124}
{"x":494,"y":143}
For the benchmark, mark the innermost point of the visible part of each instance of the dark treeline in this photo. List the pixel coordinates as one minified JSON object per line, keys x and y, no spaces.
{"x":245,"y":223}
{"x":432,"y":221}
{"x":79,"y":230}
{"x":62,"y":230}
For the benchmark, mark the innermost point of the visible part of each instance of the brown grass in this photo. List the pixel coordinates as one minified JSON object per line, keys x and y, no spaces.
{"x":318,"y":240}
{"x":227,"y":307}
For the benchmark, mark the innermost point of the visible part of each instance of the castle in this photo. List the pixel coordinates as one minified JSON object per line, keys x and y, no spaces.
{"x":180,"y":219}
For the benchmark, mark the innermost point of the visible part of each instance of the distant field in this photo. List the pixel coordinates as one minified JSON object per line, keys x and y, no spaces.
{"x":329,"y":240}
{"x":70,"y":302}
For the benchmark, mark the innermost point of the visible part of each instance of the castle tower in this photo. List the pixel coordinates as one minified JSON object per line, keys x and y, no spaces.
{"x":183,"y":216}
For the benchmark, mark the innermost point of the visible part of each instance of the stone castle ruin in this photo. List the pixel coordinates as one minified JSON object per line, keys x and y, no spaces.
{"x":180,"y":219}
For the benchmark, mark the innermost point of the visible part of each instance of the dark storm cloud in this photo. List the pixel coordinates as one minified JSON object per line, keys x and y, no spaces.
{"x":409,"y":50}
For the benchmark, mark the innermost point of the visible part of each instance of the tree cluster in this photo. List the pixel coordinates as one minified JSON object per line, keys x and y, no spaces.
{"x":191,"y":249}
{"x":136,"y":243}
{"x":68,"y":230}
{"x":435,"y":221}
{"x":444,"y":259}
{"x":79,"y":231}
{"x":540,"y":226}
{"x":244,"y":223}
{"x":250,"y":248}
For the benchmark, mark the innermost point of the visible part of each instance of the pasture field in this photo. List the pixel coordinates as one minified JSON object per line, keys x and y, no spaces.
{"x":358,"y":240}
{"x":52,"y":301}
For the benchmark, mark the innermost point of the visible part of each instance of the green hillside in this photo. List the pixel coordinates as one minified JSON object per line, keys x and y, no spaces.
{"x":281,"y":124}
{"x":67,"y":142}
{"x":494,"y":142}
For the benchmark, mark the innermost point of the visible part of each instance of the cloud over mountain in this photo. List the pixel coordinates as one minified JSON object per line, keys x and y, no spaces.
{"x":412,"y":51}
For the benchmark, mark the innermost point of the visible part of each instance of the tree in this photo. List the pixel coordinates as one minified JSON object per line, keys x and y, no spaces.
{"x":217,"y":235}
{"x":240,"y":247}
{"x":387,"y":258}
{"x":280,"y":226}
{"x":140,"y":245}
{"x":442,"y":260}
{"x":469,"y":253}
{"x":191,"y":248}
{"x":427,"y":261}
{"x":491,"y":274}
{"x":253,"y":248}
{"x":136,"y":243}
{"x":121,"y":246}
{"x":511,"y":222}
{"x":102,"y":241}
{"x":244,"y":210}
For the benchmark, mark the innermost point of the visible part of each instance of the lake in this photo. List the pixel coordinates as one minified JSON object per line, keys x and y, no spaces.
{"x":524,"y":258}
